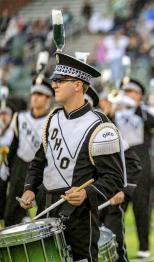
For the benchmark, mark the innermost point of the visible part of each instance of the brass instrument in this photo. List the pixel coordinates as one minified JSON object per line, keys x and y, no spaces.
{"x":4,"y":150}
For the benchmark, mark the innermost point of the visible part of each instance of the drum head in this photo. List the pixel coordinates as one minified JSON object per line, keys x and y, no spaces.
{"x":29,"y":232}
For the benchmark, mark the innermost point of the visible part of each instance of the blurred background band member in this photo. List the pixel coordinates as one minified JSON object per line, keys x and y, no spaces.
{"x":135,"y":124}
{"x":9,"y":105}
{"x":6,"y":136}
{"x":112,"y":216}
{"x":27,"y":127}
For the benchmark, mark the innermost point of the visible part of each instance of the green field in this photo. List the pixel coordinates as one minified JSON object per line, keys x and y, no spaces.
{"x":131,"y":237}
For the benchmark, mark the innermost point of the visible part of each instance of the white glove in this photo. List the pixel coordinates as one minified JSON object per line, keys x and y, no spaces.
{"x":4,"y":172}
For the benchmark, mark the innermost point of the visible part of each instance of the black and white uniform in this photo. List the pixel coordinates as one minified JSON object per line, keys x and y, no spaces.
{"x":113,"y":216}
{"x":26,"y":141}
{"x":73,"y":142}
{"x":135,"y":126}
{"x":5,"y":141}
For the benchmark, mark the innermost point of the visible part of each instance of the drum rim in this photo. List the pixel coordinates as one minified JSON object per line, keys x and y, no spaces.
{"x":31,"y":234}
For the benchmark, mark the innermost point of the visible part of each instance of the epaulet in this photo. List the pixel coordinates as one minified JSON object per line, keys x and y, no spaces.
{"x":104,"y":140}
{"x":46,"y":126}
{"x":14,"y":124}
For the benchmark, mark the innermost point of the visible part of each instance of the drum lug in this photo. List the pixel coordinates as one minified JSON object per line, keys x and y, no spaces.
{"x":63,"y":217}
{"x":68,"y":253}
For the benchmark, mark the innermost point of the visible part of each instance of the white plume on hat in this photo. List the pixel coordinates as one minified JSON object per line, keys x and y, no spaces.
{"x":57,"y":18}
{"x":4,"y":93}
{"x":82,"y":56}
{"x":42,"y":61}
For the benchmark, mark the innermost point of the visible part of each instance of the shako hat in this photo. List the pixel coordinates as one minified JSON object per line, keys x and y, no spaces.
{"x":132,"y":85}
{"x":67,"y":65}
{"x":7,"y":108}
{"x":41,"y":85}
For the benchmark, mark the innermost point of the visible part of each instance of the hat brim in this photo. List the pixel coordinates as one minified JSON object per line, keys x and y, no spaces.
{"x":58,"y":76}
{"x":6,"y":110}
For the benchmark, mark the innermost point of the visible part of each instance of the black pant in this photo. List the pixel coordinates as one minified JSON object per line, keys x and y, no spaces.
{"x":82,"y":229}
{"x":141,"y":199}
{"x":3,"y":192}
{"x":82,"y":235}
{"x":112,"y":218}
{"x":13,"y":212}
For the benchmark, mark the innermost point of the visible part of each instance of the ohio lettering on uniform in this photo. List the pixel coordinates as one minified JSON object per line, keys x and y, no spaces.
{"x":30,"y":132}
{"x":108,"y":134}
{"x":64,"y":147}
{"x":64,"y":162}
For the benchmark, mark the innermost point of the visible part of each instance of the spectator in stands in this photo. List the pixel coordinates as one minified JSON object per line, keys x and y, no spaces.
{"x":116,"y":46}
{"x":133,"y":46}
{"x":4,"y":21}
{"x":87,"y":10}
{"x":137,"y":7}
{"x":17,"y":44}
{"x":100,"y":50}
{"x":68,"y":17}
{"x":100,"y":22}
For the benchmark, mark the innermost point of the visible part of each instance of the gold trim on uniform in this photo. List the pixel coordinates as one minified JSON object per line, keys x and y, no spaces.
{"x":44,"y":134}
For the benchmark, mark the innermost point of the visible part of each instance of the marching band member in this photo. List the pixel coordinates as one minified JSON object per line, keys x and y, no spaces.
{"x":112,"y":216}
{"x":78,"y":144}
{"x":6,"y":136}
{"x":27,"y":128}
{"x":135,"y":124}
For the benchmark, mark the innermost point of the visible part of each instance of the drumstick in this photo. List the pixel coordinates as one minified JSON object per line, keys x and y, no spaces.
{"x":107,"y":203}
{"x":59,"y":202}
{"x":20,"y":200}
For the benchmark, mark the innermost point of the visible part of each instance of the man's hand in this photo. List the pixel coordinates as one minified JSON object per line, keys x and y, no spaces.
{"x":75,"y":198}
{"x":26,"y":199}
{"x":117,"y":199}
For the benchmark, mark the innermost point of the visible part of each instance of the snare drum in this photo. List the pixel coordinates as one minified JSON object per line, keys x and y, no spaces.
{"x":39,"y":241}
{"x":107,"y":246}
